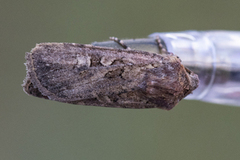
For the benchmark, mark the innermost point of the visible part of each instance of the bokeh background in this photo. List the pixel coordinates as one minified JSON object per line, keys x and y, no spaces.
{"x":33,"y":128}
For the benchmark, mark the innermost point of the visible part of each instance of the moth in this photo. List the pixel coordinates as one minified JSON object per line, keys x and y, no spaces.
{"x":100,"y":76}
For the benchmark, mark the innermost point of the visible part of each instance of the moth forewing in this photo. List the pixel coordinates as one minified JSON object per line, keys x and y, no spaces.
{"x":98,"y":76}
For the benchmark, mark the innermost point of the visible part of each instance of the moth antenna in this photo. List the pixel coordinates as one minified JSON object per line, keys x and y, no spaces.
{"x":160,"y":46}
{"x":120,"y":42}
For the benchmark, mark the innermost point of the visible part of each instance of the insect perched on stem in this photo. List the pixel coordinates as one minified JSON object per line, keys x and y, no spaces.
{"x":101,"y":76}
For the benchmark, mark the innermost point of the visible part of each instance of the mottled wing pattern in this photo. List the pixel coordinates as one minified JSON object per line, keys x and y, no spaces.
{"x":87,"y":75}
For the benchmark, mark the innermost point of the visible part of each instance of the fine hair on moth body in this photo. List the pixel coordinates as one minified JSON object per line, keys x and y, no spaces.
{"x":101,"y":76}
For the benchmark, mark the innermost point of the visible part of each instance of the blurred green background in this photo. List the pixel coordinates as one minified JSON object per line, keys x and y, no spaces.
{"x":33,"y":128}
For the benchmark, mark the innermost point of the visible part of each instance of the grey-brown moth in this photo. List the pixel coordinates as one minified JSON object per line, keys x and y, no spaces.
{"x":98,"y":76}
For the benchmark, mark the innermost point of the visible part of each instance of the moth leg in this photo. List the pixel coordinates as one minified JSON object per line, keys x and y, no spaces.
{"x":160,"y":46}
{"x":120,"y":42}
{"x":163,"y":50}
